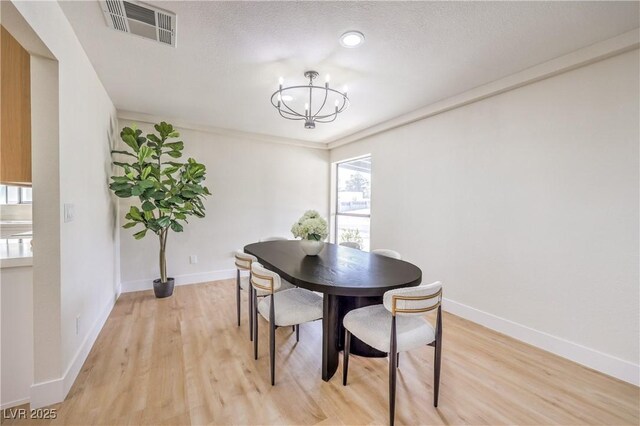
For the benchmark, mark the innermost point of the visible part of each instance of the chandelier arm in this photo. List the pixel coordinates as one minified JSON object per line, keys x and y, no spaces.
{"x":290,"y":110}
{"x":345,"y":104}
{"x":290,"y":118}
{"x":326,"y":93}
{"x":327,"y":121}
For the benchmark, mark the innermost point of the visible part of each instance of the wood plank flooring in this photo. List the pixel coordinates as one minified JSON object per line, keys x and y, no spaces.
{"x":183,"y":360}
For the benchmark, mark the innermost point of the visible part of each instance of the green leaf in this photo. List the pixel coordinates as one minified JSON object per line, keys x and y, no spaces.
{"x":135,"y":213}
{"x":148,"y":206}
{"x":146,"y":172}
{"x":154,"y":138}
{"x":129,"y":225}
{"x":144,"y":153}
{"x":176,"y":226}
{"x":164,"y":221}
{"x":144,"y":184}
{"x":123,"y":193}
{"x":158,"y":195}
{"x":175,"y":146}
{"x":170,"y":170}
{"x":131,"y":141}
{"x":136,"y":190}
{"x":139,"y":235}
{"x":174,"y":154}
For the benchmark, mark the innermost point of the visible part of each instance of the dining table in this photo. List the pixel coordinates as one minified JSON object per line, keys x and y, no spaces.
{"x":348,"y":279}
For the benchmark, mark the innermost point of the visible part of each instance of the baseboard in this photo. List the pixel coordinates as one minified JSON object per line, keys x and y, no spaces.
{"x":147,"y":284}
{"x":14,"y":403}
{"x":596,"y":360}
{"x":54,"y":391}
{"x":47,"y":393}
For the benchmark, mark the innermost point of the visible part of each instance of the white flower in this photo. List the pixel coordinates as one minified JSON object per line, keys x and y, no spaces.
{"x":311,"y":226}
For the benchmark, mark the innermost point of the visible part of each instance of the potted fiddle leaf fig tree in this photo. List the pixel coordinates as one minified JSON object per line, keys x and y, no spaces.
{"x":168,"y":191}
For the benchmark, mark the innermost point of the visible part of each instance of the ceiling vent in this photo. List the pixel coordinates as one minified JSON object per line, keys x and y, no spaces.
{"x":141,"y":19}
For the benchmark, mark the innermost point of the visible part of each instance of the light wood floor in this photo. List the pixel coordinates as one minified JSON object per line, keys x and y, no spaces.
{"x":183,"y":360}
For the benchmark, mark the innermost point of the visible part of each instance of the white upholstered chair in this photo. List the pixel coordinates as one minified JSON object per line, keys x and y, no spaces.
{"x":398,"y":325}
{"x":243,"y":263}
{"x":284,"y":308}
{"x":351,"y":244}
{"x":388,"y":253}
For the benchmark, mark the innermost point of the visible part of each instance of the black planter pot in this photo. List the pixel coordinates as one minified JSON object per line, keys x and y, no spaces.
{"x":161,"y":289}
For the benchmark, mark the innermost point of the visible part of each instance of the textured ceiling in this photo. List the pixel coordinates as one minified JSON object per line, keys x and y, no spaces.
{"x":229,"y":55}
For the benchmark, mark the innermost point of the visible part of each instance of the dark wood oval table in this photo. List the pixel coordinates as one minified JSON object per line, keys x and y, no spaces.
{"x":349,"y":279}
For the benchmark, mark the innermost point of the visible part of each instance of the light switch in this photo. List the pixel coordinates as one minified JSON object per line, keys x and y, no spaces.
{"x":69,"y":212}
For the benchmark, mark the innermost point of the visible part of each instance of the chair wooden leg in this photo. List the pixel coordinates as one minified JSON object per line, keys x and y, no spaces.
{"x":398,"y":360}
{"x":238,"y":294}
{"x":272,"y":341}
{"x":255,"y":325}
{"x":250,"y":311}
{"x":293,"y":328}
{"x":393,"y":350}
{"x":437,"y":359}
{"x":297,"y":332}
{"x":347,"y":348}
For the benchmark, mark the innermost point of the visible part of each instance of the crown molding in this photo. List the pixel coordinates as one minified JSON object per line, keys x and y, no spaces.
{"x":258,"y":137}
{"x":579,"y":58}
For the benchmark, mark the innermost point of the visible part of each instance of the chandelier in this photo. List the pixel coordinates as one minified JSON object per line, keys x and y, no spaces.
{"x":316,"y":99}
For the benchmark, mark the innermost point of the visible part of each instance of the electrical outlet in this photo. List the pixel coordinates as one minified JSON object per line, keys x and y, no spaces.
{"x":69,"y":212}
{"x":193,"y":259}
{"x":77,"y":325}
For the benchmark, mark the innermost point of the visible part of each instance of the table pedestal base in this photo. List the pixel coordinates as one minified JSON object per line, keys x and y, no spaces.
{"x":335,"y":308}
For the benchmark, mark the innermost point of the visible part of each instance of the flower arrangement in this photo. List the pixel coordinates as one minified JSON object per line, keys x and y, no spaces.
{"x":311,"y":226}
{"x":351,"y":235}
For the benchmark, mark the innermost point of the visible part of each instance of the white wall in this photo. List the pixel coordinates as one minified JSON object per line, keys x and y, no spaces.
{"x":526,"y":205}
{"x":259,"y":189}
{"x":88,"y":245}
{"x":16,"y":343}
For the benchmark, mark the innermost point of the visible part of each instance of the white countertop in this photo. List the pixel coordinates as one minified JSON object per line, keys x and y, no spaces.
{"x":15,"y":252}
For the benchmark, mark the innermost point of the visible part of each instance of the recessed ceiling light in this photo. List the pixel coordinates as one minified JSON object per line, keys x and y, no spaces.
{"x":352,"y":39}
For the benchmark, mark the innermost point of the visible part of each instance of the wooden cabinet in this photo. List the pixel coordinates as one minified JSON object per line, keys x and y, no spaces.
{"x":15,"y":124}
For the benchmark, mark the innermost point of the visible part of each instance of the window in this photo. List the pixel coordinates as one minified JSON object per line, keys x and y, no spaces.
{"x":15,"y":195}
{"x":353,"y":202}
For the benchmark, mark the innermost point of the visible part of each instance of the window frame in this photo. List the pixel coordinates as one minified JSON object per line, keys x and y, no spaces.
{"x":5,"y":200}
{"x":336,"y":200}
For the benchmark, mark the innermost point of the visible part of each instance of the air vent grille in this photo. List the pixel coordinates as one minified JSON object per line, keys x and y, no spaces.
{"x":119,"y":23}
{"x":140,"y":13}
{"x":141,"y":19}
